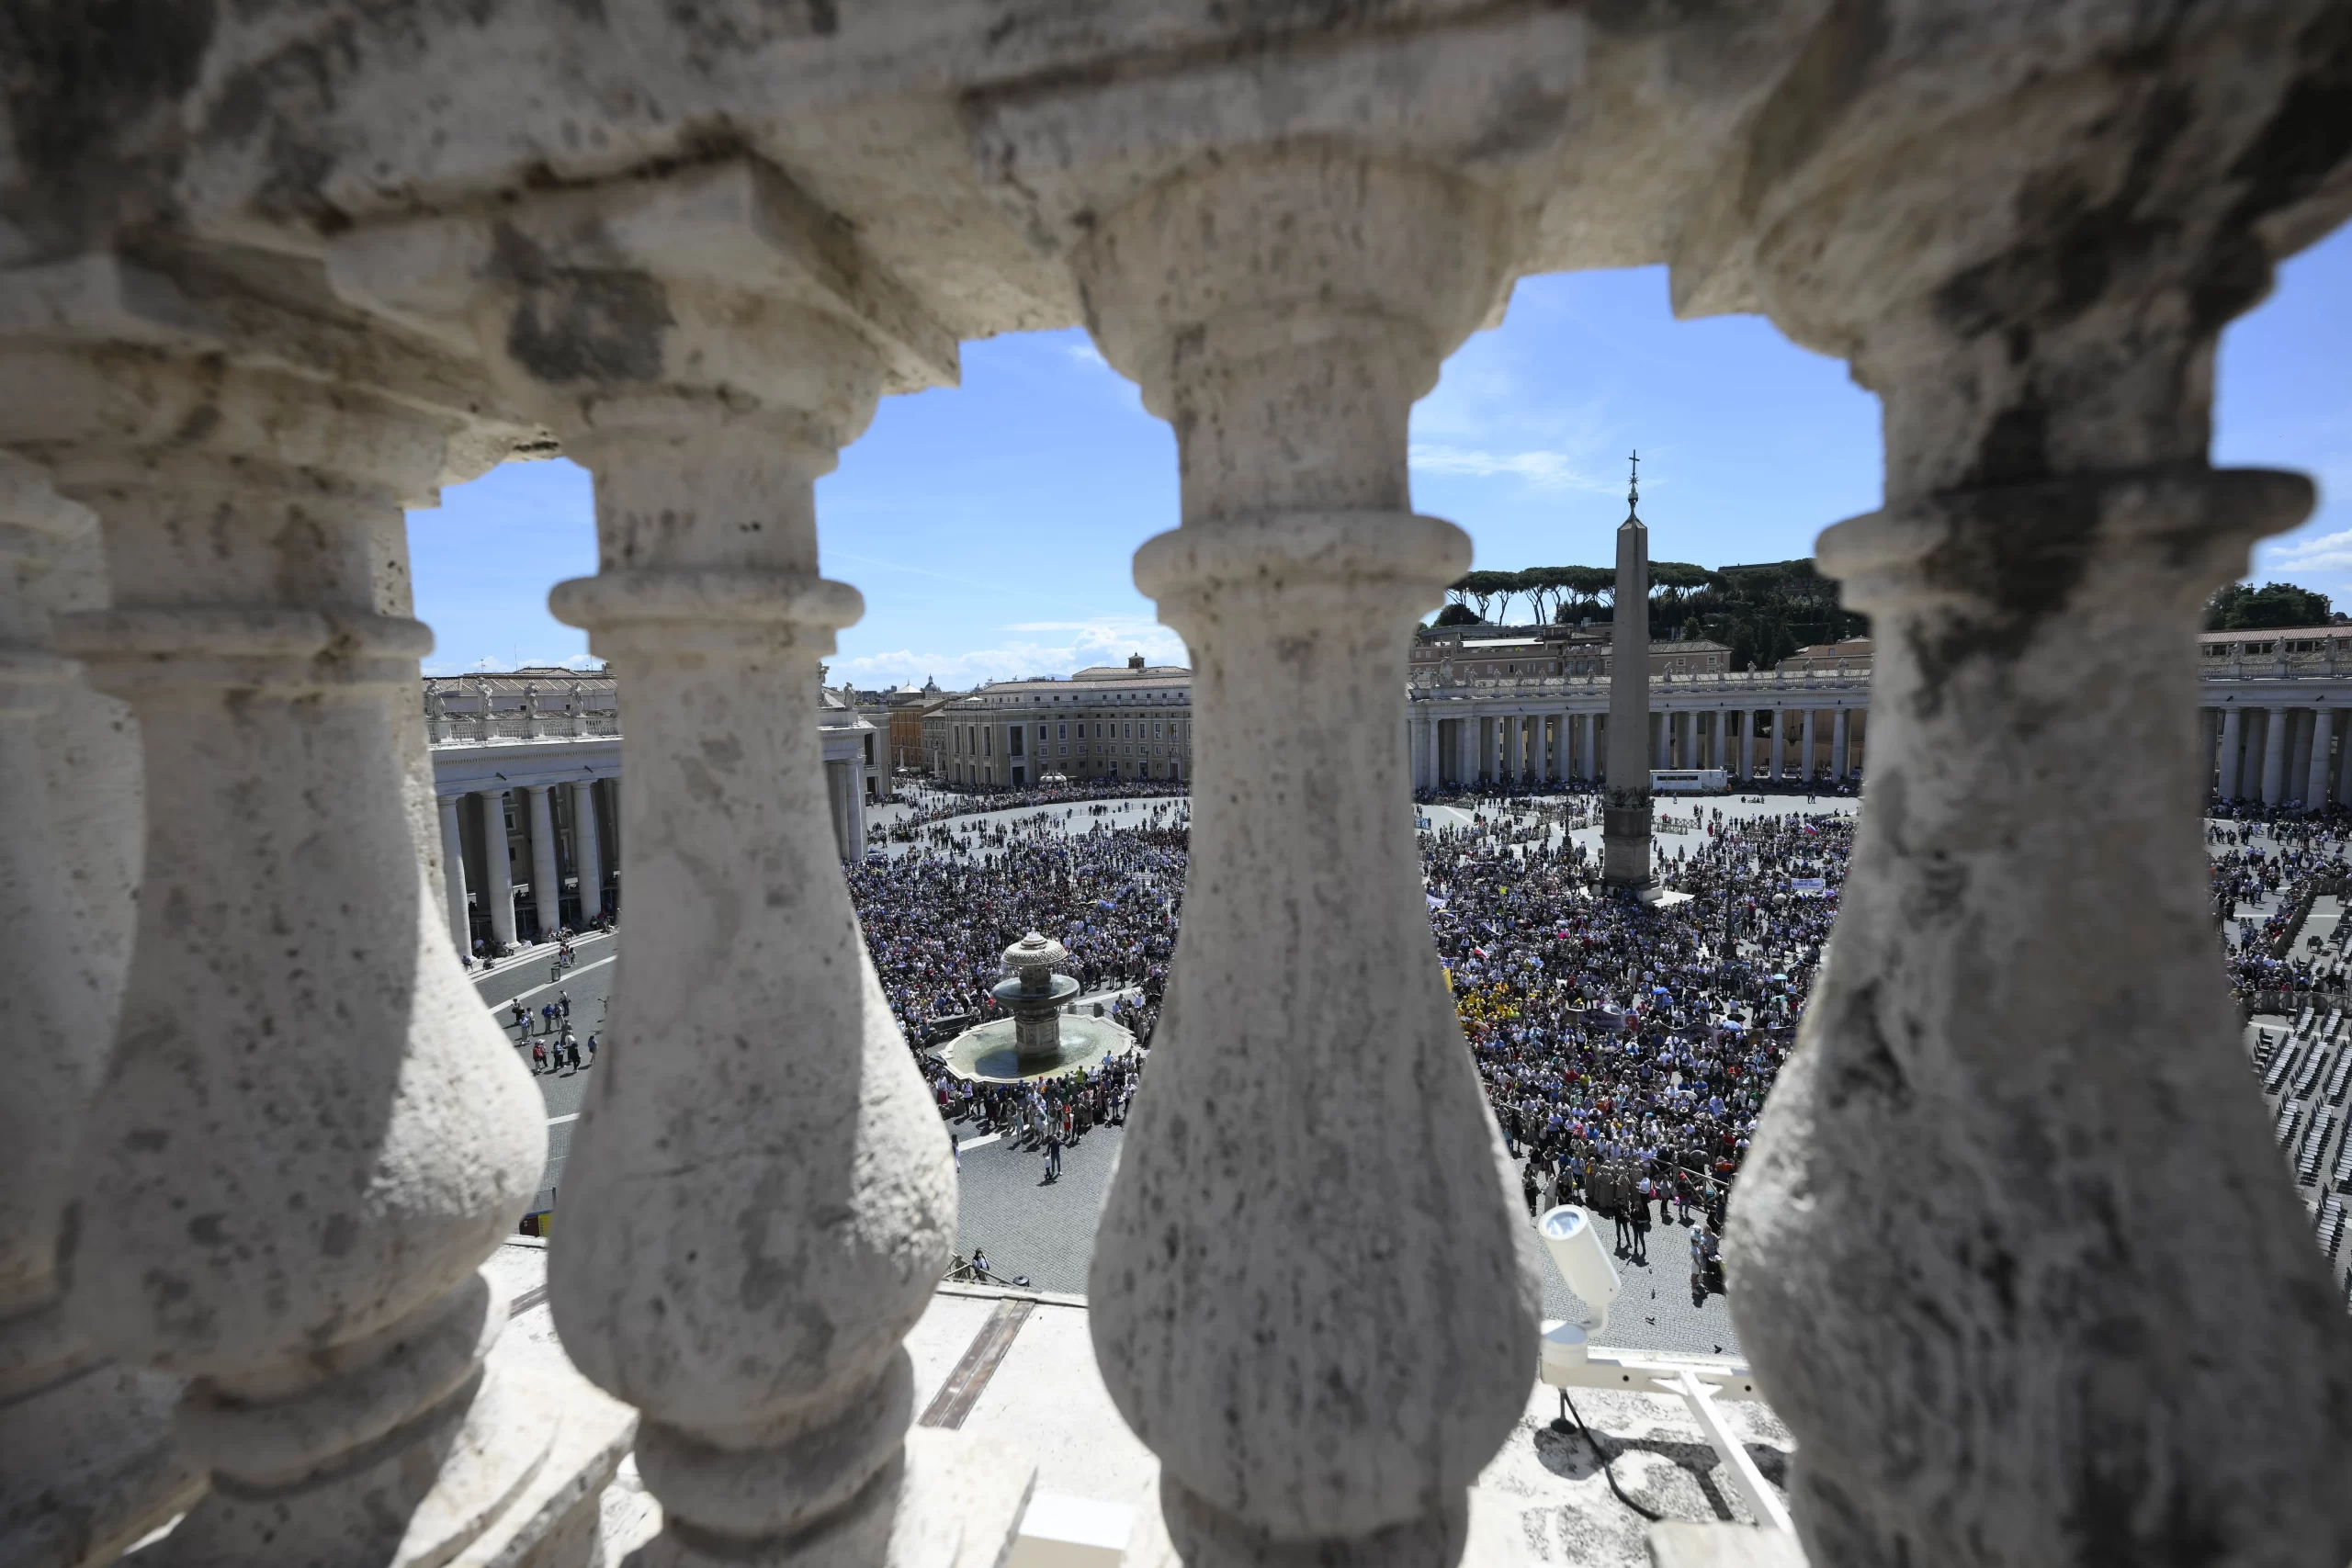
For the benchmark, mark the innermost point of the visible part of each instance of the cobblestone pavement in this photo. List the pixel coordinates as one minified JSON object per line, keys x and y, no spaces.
{"x":590,"y":983}
{"x":1026,"y":1226}
{"x":1047,"y":1234}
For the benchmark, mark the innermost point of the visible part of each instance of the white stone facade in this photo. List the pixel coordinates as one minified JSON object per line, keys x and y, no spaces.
{"x":271,"y":271}
{"x":527,"y":778}
{"x":1104,"y":723}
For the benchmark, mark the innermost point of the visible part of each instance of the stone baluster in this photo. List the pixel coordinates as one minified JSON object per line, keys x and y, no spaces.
{"x":2014,"y":1204}
{"x":761,"y":1195}
{"x":296,"y":1228}
{"x":1325,"y":1400}
{"x":86,"y":1462}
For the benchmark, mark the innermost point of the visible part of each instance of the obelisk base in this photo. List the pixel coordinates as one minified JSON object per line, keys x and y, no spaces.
{"x":1626,"y":839}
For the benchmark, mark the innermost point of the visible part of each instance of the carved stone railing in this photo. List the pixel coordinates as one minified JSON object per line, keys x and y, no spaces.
{"x":276,"y":273}
{"x":456,"y":729}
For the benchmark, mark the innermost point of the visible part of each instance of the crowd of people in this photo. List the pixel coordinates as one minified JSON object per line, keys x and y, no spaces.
{"x":2268,"y":864}
{"x":1047,"y":1114}
{"x":938,"y":918}
{"x":1627,"y":1046}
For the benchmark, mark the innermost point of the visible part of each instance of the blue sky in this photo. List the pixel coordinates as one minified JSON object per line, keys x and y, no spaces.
{"x":991,"y":525}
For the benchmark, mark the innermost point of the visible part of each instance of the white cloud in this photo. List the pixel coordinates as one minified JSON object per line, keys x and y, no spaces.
{"x":1087,"y":353}
{"x":1541,"y":468}
{"x":2329,"y":552}
{"x":1089,"y":642}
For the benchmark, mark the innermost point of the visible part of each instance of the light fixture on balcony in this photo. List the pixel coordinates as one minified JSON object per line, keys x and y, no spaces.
{"x":1568,"y":1360}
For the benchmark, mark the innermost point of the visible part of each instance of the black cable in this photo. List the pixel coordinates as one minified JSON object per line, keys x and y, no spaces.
{"x":1607,"y":1461}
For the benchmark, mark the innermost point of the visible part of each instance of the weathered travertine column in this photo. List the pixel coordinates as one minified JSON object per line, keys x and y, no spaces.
{"x":760,"y":1191}
{"x":1284,"y":311}
{"x":453,"y":875}
{"x":2274,"y":754}
{"x":1780,"y":738}
{"x":2233,"y":747}
{"x":587,"y":850}
{"x":1838,"y":771}
{"x":87,"y":1464}
{"x":2013,"y":1253}
{"x":547,"y":882}
{"x":497,"y":861}
{"x":296,"y":1227}
{"x":1810,"y":767}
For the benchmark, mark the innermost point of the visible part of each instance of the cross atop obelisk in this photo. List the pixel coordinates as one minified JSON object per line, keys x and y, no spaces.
{"x":1625,"y":809}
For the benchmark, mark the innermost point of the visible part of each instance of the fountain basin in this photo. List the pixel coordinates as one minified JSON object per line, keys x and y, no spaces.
{"x":989,"y":1053}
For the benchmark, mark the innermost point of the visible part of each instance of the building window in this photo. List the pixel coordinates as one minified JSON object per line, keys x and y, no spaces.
{"x":1065,"y":732}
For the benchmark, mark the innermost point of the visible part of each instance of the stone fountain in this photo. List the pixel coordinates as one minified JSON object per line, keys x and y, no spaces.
{"x":1033,"y":995}
{"x":1040,"y":1040}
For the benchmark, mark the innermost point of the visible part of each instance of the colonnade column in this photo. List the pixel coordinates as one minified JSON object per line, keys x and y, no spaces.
{"x":301,"y":1238}
{"x":1780,"y":738}
{"x":546,"y":878}
{"x":453,"y":875}
{"x":1808,"y":767}
{"x":1283,"y":310}
{"x":498,"y":867}
{"x":86,"y":1459}
{"x":754,"y":1231}
{"x":587,"y":850}
{"x":1838,"y":771}
{"x":2233,"y":747}
{"x":1957,"y":1246}
{"x":2319,"y":776}
{"x":2274,"y":755}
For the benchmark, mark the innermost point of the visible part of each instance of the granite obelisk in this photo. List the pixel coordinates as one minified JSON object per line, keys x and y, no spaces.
{"x":1625,"y":811}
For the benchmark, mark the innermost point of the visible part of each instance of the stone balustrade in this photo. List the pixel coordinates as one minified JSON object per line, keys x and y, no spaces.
{"x":484,"y":730}
{"x":275,"y":272}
